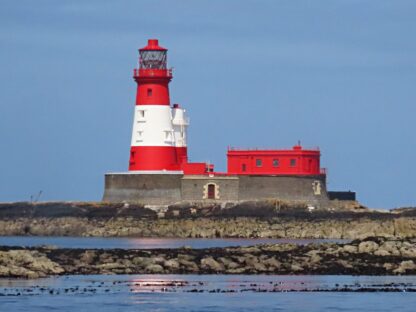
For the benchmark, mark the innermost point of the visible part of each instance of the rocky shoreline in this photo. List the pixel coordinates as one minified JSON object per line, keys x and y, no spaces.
{"x":239,"y":227}
{"x":242,"y":220}
{"x":370,"y":256}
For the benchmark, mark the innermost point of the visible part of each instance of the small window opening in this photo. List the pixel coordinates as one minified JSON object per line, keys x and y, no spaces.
{"x":293,"y":162}
{"x":259,"y":163}
{"x":149,"y":92}
{"x":275,"y":162}
{"x":244,"y":167}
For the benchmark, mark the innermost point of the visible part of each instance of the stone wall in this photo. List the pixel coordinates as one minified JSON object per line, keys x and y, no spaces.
{"x":145,"y":188}
{"x":165,"y":189}
{"x":302,"y":188}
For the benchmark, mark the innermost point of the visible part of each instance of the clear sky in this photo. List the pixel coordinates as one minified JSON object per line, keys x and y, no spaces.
{"x":340,"y":75}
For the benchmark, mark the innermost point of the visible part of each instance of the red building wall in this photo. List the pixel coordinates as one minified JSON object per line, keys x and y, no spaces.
{"x":296,"y":161}
{"x":194,"y":168}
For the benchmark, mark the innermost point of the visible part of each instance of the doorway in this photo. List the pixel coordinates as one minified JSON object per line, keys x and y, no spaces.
{"x":211,"y":191}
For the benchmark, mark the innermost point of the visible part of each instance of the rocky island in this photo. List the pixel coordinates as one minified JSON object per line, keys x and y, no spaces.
{"x":383,"y":243}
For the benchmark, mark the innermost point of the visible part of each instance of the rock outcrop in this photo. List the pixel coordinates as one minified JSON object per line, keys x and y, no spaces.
{"x":27,"y":263}
{"x":245,"y":220}
{"x":238,"y":227}
{"x":371,"y":256}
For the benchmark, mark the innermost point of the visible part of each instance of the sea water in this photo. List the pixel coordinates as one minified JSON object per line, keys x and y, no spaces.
{"x":209,"y":293}
{"x":146,"y":243}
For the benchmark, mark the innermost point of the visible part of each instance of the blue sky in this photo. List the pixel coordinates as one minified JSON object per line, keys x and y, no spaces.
{"x":335,"y":74}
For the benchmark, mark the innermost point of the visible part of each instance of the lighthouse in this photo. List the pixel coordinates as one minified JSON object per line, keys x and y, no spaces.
{"x":161,"y":173}
{"x":159,"y":131}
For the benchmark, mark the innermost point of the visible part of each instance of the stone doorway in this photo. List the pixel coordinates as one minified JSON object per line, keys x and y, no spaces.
{"x":211,"y":191}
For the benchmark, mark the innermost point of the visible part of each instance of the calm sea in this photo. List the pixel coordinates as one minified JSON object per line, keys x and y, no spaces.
{"x":145,"y":243}
{"x":206,"y":293}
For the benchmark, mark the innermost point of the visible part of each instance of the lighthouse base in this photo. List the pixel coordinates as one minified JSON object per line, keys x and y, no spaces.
{"x":146,"y":188}
{"x":170,"y":188}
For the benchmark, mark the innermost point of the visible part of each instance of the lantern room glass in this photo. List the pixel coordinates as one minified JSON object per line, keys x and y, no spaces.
{"x":153,"y":59}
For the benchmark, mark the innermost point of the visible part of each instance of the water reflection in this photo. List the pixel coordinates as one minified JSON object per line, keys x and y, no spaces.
{"x":147,"y":243}
{"x":211,"y":283}
{"x":153,"y":284}
{"x":207,"y":293}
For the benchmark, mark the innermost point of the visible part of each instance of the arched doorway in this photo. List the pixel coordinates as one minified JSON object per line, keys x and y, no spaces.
{"x":211,"y":191}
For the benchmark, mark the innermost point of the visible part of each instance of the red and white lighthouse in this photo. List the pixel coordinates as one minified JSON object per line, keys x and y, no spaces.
{"x":161,"y":173}
{"x":159,"y":130}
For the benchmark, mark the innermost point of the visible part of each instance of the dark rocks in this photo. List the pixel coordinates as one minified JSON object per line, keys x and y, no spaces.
{"x":27,"y":263}
{"x":210,"y":264}
{"x":241,"y":227}
{"x":154,"y":268}
{"x":371,"y":256}
{"x":262,"y":219}
{"x":368,"y":247}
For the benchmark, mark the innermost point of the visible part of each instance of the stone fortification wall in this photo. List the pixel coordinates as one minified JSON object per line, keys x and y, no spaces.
{"x":302,"y":188}
{"x":145,"y":188}
{"x":164,"y":189}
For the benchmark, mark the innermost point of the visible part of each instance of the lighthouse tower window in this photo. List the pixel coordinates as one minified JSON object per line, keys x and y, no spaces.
{"x":259,"y":163}
{"x":293,"y":162}
{"x":275,"y":162}
{"x":149,"y":92}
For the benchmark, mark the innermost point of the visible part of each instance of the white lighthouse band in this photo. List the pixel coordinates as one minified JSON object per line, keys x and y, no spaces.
{"x":159,"y":125}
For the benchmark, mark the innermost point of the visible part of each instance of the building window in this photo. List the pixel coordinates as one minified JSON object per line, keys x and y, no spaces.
{"x":275,"y":162}
{"x":141,"y":113}
{"x":243,"y":168}
{"x":293,"y":162}
{"x":149,"y":92}
{"x":259,"y":163}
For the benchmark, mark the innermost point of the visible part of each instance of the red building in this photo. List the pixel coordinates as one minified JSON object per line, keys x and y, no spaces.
{"x":296,"y":161}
